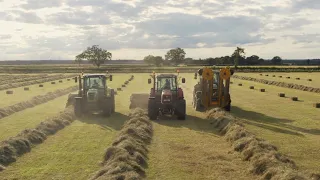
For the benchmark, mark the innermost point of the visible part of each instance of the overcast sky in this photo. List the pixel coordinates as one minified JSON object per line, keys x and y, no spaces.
{"x":132,"y":29}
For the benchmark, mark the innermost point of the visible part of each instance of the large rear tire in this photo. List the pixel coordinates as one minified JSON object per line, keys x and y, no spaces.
{"x":78,"y":108}
{"x":107,"y":107}
{"x":153,"y":111}
{"x":181,"y":109}
{"x":113,"y":109}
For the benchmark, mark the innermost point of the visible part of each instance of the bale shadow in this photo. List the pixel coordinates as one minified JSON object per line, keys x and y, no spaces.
{"x":264,"y":121}
{"x":115,"y":121}
{"x":191,"y":122}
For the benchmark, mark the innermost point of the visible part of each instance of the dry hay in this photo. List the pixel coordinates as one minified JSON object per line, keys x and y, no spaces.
{"x":2,"y":168}
{"x":240,"y":84}
{"x":115,"y":93}
{"x":126,"y":82}
{"x":297,"y":78}
{"x":264,"y":157}
{"x":127,"y":157}
{"x":260,"y":74}
{"x":251,"y":87}
{"x":262,"y":90}
{"x":60,"y":81}
{"x":316,"y":105}
{"x":294,"y":98}
{"x":267,"y":75}
{"x":26,"y":89}
{"x":9,"y":92}
{"x":123,"y":85}
{"x":273,"y":75}
{"x":68,"y":79}
{"x":6,"y":111}
{"x":279,"y":84}
{"x":53,"y":82}
{"x":139,"y":100}
{"x":40,"y":85}
{"x":280,"y":76}
{"x":288,"y":77}
{"x":309,"y":79}
{"x":14,"y":147}
{"x":119,"y":89}
{"x":33,"y":81}
{"x":281,"y":94}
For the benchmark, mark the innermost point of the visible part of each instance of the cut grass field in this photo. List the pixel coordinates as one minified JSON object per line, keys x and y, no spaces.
{"x":190,"y":149}
{"x":315,"y":76}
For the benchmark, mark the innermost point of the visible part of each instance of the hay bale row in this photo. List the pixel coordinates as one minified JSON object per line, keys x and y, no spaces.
{"x":280,"y":84}
{"x":6,"y":111}
{"x":14,"y":147}
{"x":18,"y":78}
{"x":264,"y":157}
{"x":26,"y":88}
{"x":127,"y":157}
{"x":40,"y":85}
{"x":125,"y":83}
{"x":28,"y":83}
{"x":9,"y":92}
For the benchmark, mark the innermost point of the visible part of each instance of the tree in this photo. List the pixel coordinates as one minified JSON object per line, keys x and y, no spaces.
{"x":252,"y":60}
{"x":155,"y":60}
{"x":276,"y":60}
{"x":148,"y":59}
{"x":95,"y":55}
{"x":237,"y":54}
{"x":176,"y":55}
{"x":308,"y":62}
{"x":79,"y":59}
{"x":158,"y":61}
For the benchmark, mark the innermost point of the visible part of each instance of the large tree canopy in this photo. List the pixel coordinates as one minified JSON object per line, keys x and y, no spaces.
{"x":95,"y":55}
{"x":176,"y":55}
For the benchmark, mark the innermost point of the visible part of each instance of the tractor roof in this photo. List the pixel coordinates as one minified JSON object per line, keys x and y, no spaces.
{"x":167,"y":75}
{"x":93,"y":75}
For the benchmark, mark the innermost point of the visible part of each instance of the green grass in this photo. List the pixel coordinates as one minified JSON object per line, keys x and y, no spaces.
{"x":19,"y":94}
{"x":315,"y":76}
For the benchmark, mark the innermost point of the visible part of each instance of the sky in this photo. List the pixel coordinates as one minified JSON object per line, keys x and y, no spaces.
{"x":133,"y":29}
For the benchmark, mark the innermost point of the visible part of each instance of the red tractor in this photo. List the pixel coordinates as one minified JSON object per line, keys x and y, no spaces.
{"x":166,"y":97}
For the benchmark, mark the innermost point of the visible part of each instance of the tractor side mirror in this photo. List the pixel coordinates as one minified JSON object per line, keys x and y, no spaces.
{"x":231,"y":71}
{"x":149,"y":81}
{"x":75,"y":79}
{"x":183,"y":80}
{"x":110,"y":77}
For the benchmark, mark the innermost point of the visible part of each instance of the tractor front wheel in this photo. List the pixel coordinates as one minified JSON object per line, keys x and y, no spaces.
{"x":181,"y":109}
{"x":78,"y":108}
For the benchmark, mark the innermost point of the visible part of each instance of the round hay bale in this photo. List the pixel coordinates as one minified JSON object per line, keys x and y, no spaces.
{"x":294,"y":98}
{"x":316,"y":105}
{"x":26,"y":89}
{"x":282,"y":95}
{"x":267,"y":75}
{"x":68,"y":79}
{"x":60,"y":81}
{"x":115,"y":93}
{"x":273,"y":75}
{"x":251,"y":87}
{"x":262,"y":90}
{"x":53,"y":82}
{"x":280,"y":76}
{"x":260,"y":74}
{"x":288,"y":77}
{"x":119,"y":89}
{"x":123,"y":85}
{"x":40,"y":85}
{"x":9,"y":92}
{"x":231,"y":82}
{"x":240,"y":84}
{"x":297,"y":78}
{"x":309,"y":79}
{"x":127,"y":82}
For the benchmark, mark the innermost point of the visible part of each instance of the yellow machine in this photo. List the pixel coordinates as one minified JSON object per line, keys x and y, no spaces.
{"x":212,"y":89}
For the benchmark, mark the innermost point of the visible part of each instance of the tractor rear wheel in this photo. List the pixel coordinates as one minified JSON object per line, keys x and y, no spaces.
{"x":153,"y":111}
{"x":107,"y":107}
{"x":112,"y":101}
{"x":181,"y":109}
{"x":197,"y":105}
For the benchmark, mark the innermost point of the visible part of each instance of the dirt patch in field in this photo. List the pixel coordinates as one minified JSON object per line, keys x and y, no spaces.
{"x":31,"y":82}
{"x":280,"y":84}
{"x":263,"y":156}
{"x":14,"y":147}
{"x":6,"y":111}
{"x":127,"y":157}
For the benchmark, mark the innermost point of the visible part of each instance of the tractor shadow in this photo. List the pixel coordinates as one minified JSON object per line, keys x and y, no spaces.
{"x":113,"y":122}
{"x":271,"y":123}
{"x":191,"y":122}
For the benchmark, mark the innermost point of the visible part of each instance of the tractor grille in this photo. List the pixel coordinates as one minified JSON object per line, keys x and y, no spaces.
{"x":91,"y":96}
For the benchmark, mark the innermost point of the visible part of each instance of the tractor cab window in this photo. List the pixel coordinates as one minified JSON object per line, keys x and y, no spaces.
{"x":166,"y":83}
{"x":94,"y":82}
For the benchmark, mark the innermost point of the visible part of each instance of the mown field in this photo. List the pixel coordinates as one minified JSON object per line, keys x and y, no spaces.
{"x":190,"y":149}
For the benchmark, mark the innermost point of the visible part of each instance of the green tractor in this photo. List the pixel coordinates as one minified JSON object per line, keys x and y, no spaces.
{"x":93,"y":95}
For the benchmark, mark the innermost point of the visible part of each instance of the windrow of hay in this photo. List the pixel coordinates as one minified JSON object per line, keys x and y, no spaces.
{"x":27,"y":83}
{"x":127,"y":157}
{"x":264,"y":157}
{"x":21,"y":78}
{"x":280,"y":84}
{"x":14,"y":147}
{"x":6,"y":111}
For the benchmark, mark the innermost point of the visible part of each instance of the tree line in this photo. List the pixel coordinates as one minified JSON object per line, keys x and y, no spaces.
{"x":98,"y":56}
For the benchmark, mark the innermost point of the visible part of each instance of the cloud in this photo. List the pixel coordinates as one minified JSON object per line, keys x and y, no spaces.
{"x":38,"y":4}
{"x":20,"y":16}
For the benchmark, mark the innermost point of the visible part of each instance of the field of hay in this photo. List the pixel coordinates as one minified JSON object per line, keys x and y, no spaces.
{"x":167,"y":148}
